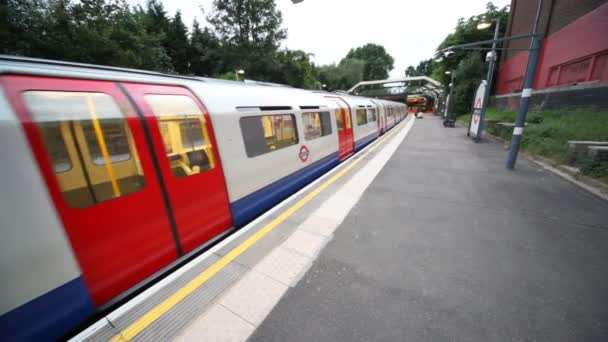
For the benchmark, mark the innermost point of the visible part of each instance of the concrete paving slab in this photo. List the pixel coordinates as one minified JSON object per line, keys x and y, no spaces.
{"x":253,"y":297}
{"x":308,"y":244}
{"x":217,"y":325}
{"x":283,"y":265}
{"x":319,"y":225}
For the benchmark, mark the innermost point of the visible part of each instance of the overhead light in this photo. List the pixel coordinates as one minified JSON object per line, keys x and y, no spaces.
{"x":240,"y":72}
{"x":483,"y":25}
{"x":448,"y":72}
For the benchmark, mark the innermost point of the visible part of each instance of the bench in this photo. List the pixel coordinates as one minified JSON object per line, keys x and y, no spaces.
{"x":579,"y":150}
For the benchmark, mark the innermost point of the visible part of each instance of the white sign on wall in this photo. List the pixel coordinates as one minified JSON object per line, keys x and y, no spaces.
{"x":477,"y":105}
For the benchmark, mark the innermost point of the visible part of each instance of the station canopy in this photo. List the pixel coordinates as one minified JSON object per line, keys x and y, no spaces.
{"x":398,"y":89}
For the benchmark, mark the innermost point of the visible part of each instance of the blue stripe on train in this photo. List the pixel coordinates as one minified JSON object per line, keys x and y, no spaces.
{"x":252,"y":205}
{"x":361,"y":143}
{"x":49,"y":316}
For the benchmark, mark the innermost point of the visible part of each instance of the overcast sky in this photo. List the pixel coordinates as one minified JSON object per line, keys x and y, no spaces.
{"x":410,"y":30}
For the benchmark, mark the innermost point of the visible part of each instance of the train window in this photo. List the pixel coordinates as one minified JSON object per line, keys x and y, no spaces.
{"x":267,"y":133}
{"x":347,"y":115}
{"x":184,"y":131}
{"x":52,"y":135}
{"x":361,"y":117}
{"x":316,"y":125}
{"x":339,"y":121}
{"x":115,"y":137}
{"x":89,"y":144}
{"x":371,"y":115}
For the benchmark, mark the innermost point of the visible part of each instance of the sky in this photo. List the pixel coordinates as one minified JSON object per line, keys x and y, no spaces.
{"x":410,"y":30}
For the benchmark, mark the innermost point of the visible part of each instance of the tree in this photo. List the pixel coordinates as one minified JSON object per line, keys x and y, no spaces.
{"x":466,"y":32}
{"x":250,"y":32}
{"x":424,"y":68}
{"x":295,"y":69}
{"x":342,"y":76}
{"x":204,"y":52}
{"x":178,"y":44}
{"x":378,"y":62}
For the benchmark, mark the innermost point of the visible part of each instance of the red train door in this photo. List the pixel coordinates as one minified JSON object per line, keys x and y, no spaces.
{"x":184,"y":142}
{"x":345,"y":128}
{"x":91,"y":148}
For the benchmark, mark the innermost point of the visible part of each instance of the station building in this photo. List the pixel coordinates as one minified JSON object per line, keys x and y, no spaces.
{"x":573,"y":66}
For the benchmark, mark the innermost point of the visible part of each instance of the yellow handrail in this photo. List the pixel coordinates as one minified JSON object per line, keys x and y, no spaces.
{"x":102,"y":146}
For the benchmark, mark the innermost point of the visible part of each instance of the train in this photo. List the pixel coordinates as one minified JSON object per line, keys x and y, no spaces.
{"x":113,"y":177}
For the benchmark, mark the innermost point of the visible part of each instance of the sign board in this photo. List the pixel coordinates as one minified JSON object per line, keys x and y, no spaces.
{"x":304,"y":153}
{"x":477,"y":105}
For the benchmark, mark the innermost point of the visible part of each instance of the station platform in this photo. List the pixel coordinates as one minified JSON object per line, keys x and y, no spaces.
{"x":422,"y":236}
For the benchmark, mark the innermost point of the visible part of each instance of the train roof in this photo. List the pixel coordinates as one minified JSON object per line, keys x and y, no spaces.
{"x":218,"y":95}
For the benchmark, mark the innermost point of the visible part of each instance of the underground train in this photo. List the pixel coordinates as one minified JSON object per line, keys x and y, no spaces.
{"x":113,"y":177}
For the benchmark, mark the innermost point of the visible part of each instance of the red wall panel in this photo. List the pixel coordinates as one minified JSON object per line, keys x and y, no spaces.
{"x":585,"y":36}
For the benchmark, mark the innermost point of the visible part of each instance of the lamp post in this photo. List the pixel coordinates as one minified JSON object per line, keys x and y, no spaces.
{"x":239,"y":72}
{"x":448,"y":108}
{"x":491,"y":58}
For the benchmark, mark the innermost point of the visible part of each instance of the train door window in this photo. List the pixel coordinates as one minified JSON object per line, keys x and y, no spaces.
{"x":55,"y":144}
{"x":347,"y":115}
{"x":267,"y":133}
{"x":371,"y":115}
{"x":339,"y":121}
{"x":115,"y":137}
{"x":361,"y":116}
{"x":89,"y":144}
{"x":184,"y":132}
{"x":316,"y":125}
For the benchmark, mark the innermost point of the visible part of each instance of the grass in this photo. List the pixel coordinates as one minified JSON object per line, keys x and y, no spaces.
{"x":547,"y":133}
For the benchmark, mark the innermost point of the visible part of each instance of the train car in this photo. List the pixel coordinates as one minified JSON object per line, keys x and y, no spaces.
{"x":113,"y":177}
{"x":365,"y":126}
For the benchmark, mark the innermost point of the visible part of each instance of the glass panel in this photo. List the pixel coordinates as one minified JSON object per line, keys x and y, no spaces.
{"x":339,"y":120}
{"x":361,"y":117}
{"x":89,"y":143}
{"x":267,"y":133}
{"x":116,"y":141}
{"x":347,"y":115}
{"x":371,"y":115}
{"x":316,"y":125}
{"x":184,"y":132}
{"x":55,"y":144}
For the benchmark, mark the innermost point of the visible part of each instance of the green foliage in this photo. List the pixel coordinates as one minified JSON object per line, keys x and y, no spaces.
{"x":205,"y":52}
{"x":424,"y":68}
{"x":178,"y":44}
{"x":467,"y":78}
{"x":597,"y":169}
{"x":343,"y":75}
{"x":547,"y":133}
{"x":250,"y":32}
{"x":378,"y":62}
{"x":295,"y":68}
{"x":468,"y":65}
{"x":243,"y":34}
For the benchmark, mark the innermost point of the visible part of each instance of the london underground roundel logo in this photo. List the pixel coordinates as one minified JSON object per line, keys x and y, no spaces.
{"x":304,"y":153}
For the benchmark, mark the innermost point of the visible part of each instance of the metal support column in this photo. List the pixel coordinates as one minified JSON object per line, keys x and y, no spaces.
{"x":486,"y":98}
{"x":524,"y":101}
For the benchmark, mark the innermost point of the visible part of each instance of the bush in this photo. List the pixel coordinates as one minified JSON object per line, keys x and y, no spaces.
{"x":598,"y":169}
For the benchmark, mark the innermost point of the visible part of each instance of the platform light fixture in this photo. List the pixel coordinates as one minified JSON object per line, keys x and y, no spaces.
{"x":483,"y":25}
{"x":239,"y":72}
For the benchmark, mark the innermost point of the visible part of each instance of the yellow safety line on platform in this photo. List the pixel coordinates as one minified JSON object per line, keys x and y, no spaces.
{"x":166,"y":305}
